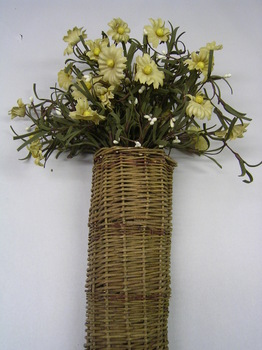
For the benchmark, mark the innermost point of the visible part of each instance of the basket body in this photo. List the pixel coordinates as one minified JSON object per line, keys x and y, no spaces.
{"x":128,"y":275}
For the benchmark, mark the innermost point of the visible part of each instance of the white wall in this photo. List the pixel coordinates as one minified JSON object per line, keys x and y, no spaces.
{"x":217,"y":240}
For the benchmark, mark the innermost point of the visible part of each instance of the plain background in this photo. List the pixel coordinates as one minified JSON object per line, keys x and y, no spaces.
{"x":216,"y":299}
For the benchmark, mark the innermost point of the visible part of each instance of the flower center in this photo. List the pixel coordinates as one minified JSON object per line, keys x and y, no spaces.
{"x":110,"y":63}
{"x":120,"y":30}
{"x":97,"y":51}
{"x":88,"y":85}
{"x":160,"y":32}
{"x":86,"y":113}
{"x":200,"y":65}
{"x":147,"y":70}
{"x":199,"y":99}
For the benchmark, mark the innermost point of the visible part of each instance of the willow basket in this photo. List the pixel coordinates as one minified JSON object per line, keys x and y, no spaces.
{"x":128,"y":275}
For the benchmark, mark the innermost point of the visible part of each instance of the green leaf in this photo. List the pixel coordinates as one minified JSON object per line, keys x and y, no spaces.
{"x":130,"y":55}
{"x":214,"y":160}
{"x":33,"y":138}
{"x":73,"y":134}
{"x":230,"y":129}
{"x":172,"y":38}
{"x":210,"y":63}
{"x":25,"y":135}
{"x":221,"y":117}
{"x":231,"y":110}
{"x":27,"y":157}
{"x":115,"y":116}
{"x":249,"y":176}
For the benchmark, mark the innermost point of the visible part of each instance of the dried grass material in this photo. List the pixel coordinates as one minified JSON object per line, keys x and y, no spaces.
{"x":128,"y":276}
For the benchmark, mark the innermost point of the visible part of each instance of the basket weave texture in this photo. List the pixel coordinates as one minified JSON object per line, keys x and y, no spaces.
{"x":130,"y":224}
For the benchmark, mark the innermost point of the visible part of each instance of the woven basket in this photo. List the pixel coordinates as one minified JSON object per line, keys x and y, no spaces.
{"x":128,"y":275}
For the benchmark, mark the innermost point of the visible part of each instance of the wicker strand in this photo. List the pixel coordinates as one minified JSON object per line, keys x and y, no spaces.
{"x":128,"y":275}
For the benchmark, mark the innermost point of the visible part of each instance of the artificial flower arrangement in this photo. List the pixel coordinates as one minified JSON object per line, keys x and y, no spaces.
{"x":129,"y":93}
{"x":126,"y":101}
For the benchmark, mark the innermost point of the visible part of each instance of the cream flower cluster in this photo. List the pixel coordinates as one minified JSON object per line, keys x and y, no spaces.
{"x":116,"y":90}
{"x":111,"y":59}
{"x":112,"y":64}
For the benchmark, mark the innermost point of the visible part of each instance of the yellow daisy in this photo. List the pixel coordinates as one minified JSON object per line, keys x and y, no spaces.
{"x":96,"y":47}
{"x":72,"y":38}
{"x":237,"y":131}
{"x":35,"y":148}
{"x":157,"y":32}
{"x":119,"y":30}
{"x":212,"y":46}
{"x":199,"y":107}
{"x":112,"y":64}
{"x":199,"y":61}
{"x":104,"y":94}
{"x":198,"y":141}
{"x":84,"y":112}
{"x":18,"y":111}
{"x":64,"y":79}
{"x":147,"y":72}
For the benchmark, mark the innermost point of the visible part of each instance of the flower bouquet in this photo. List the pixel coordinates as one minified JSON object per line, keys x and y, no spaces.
{"x":126,"y":102}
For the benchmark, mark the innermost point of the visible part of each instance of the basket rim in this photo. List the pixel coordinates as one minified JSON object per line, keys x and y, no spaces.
{"x":134,"y":150}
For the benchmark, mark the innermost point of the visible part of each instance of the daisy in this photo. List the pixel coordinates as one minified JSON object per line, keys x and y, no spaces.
{"x":119,"y":30}
{"x":72,"y":38}
{"x":212,"y":46}
{"x":157,"y":32}
{"x":237,"y":131}
{"x":64,"y":79}
{"x":112,"y":64}
{"x":199,"y":61}
{"x":147,"y":72}
{"x":198,"y":141}
{"x":96,"y":47}
{"x":199,"y":107}
{"x":84,"y":112}
{"x":18,"y":111}
{"x":35,"y":148}
{"x":104,"y":94}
